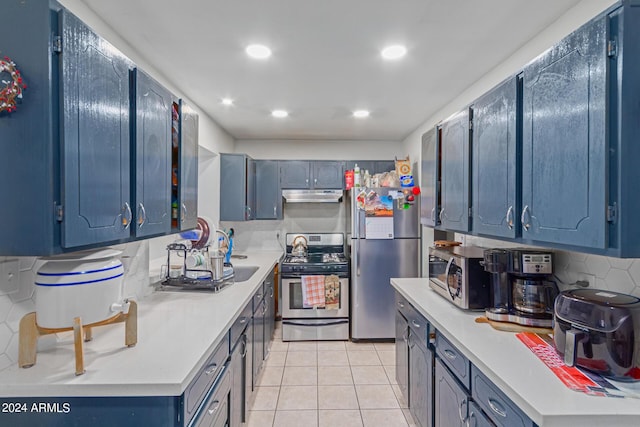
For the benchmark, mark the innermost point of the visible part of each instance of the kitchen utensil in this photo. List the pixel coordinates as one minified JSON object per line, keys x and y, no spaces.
{"x":513,"y":327}
{"x":195,"y":259}
{"x":599,"y":330}
{"x":217,"y":265}
{"x":85,"y":284}
{"x":202,"y":225}
{"x":533,"y":295}
{"x":299,"y":246}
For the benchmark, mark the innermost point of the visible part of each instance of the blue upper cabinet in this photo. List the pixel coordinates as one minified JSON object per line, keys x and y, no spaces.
{"x":151,"y":104}
{"x":188,"y":166}
{"x":454,"y":148}
{"x":295,"y":174}
{"x":95,"y":137}
{"x":429,"y":179}
{"x":564,"y":156}
{"x":88,"y":150}
{"x":494,"y":161}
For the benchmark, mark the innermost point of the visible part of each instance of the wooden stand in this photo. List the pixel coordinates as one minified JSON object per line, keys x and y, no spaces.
{"x":30,"y":332}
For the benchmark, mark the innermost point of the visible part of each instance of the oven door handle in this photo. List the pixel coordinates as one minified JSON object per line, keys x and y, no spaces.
{"x":336,"y":322}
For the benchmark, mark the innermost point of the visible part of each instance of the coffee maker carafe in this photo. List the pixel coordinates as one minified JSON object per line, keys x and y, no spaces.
{"x":522,"y":285}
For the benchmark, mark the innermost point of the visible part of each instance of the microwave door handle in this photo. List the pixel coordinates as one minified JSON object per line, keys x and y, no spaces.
{"x":448,"y":270}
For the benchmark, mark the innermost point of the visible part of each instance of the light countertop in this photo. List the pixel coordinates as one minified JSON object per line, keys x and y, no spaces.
{"x":514,"y":368}
{"x":177,"y":331}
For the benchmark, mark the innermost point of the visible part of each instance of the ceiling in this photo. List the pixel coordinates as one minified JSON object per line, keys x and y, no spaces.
{"x":326,"y":57}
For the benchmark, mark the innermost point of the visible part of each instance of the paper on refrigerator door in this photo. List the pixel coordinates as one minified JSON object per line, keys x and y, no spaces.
{"x":379,"y":216}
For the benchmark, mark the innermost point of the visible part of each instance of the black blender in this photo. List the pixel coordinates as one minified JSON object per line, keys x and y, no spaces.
{"x":523,"y":289}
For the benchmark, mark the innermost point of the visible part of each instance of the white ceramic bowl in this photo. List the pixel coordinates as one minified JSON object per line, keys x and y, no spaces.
{"x":83,"y":284}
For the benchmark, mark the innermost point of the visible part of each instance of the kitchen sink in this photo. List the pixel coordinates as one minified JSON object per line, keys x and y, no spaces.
{"x":242,"y":273}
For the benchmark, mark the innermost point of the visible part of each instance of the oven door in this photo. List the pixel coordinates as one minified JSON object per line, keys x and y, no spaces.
{"x":292,"y":301}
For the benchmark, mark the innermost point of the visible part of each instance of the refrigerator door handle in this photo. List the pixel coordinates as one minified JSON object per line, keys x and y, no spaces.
{"x":357,"y":252}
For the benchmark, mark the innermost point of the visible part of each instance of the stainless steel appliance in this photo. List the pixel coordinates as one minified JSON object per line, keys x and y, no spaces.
{"x":599,"y":330}
{"x":523,"y":291}
{"x":457,"y":274}
{"x":380,"y":249}
{"x":323,"y":256}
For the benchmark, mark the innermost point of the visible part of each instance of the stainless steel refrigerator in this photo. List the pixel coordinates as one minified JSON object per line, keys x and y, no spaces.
{"x":375,"y":260}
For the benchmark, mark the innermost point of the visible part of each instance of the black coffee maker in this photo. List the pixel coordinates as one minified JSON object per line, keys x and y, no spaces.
{"x":522,"y":286}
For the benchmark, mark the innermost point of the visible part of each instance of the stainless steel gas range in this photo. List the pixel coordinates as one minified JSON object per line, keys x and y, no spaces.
{"x":315,"y":288}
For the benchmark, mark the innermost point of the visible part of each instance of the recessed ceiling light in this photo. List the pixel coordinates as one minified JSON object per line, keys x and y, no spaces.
{"x":279,"y":113}
{"x":227,"y":101}
{"x":393,"y":52}
{"x":361,"y":114}
{"x":258,"y":51}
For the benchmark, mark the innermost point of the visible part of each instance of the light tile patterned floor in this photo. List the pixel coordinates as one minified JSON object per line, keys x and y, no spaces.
{"x":329,"y":384}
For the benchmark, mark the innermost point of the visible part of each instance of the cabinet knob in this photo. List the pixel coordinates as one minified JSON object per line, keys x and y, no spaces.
{"x":525,"y":218}
{"x":510,"y":217}
{"x":142,"y":215}
{"x":212,"y":369}
{"x":184,"y":213}
{"x":126,"y":215}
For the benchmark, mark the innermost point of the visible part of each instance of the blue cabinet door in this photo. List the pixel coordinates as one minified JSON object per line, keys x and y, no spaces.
{"x":268,"y":193}
{"x":454,"y":147}
{"x":429,"y":177}
{"x":328,"y":175}
{"x":493,"y":172}
{"x":295,"y":174}
{"x":451,"y":400}
{"x":95,"y":137}
{"x":188,"y":164}
{"x":564,"y":155}
{"x":402,"y":355}
{"x":420,"y":380}
{"x":152,"y":154}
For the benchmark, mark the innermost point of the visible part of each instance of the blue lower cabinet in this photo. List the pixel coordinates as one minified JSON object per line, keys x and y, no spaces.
{"x":451,"y":399}
{"x":495,"y":403}
{"x":157,"y":411}
{"x":477,"y":418}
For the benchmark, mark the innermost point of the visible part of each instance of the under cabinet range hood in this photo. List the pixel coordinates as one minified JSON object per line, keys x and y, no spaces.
{"x":312,"y":196}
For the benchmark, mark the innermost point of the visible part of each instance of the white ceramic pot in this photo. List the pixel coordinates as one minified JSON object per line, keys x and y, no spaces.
{"x":83,"y":284}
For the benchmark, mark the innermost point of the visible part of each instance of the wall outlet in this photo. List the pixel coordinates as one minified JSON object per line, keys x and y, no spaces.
{"x":585,"y":280}
{"x":9,"y":276}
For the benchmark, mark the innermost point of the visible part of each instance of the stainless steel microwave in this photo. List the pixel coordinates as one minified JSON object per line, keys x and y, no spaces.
{"x":458,"y":275}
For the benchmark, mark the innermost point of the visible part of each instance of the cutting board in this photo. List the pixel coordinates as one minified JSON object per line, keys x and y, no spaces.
{"x":513,"y":327}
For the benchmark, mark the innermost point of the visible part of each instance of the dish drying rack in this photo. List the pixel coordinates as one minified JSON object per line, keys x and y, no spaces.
{"x":202,"y":278}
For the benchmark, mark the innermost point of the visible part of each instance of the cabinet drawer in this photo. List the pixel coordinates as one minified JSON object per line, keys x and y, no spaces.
{"x":215,"y":410}
{"x":241,"y":322}
{"x":501,"y":410}
{"x":454,"y":360}
{"x":211,"y":369}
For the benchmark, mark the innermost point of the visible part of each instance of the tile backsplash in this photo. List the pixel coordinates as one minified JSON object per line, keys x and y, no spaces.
{"x":615,"y":274}
{"x":17,"y":276}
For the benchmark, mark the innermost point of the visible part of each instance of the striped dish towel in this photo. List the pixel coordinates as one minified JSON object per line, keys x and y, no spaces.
{"x":313,"y":291}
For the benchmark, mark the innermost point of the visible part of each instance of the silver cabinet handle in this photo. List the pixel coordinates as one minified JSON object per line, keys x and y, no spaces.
{"x":243,"y":320}
{"x":247,"y":212}
{"x":143,"y":215}
{"x":211,"y":370}
{"x":414,"y":323}
{"x":441,"y":214}
{"x":400,"y":304}
{"x":510,"y":217}
{"x":184,"y":213}
{"x":306,"y":181}
{"x":525,"y":218}
{"x":274,"y":210}
{"x":497,"y":408}
{"x":315,"y":181}
{"x":433,"y":215}
{"x":271,"y":295}
{"x":127,"y":215}
{"x":244,"y":348}
{"x":212,"y":409}
{"x":450,"y":354}
{"x":463,"y":418}
{"x":472,"y":416}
